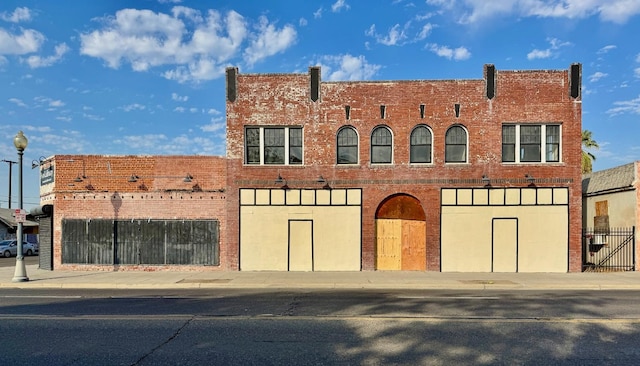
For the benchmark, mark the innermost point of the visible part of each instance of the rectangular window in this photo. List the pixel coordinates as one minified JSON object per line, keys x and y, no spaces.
{"x":553,"y":143}
{"x":524,"y":143}
{"x":273,"y":145}
{"x":530,"y":143}
{"x":295,"y":146}
{"x":252,"y":145}
{"x":509,"y":143}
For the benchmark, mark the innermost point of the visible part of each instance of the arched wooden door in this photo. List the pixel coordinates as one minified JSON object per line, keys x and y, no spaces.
{"x":401,"y":234}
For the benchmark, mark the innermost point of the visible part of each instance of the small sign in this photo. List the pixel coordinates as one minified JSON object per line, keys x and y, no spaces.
{"x":20,"y":215}
{"x":46,"y":175}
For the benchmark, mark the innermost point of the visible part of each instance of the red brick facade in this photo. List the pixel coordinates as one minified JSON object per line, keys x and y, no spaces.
{"x":100,"y":187}
{"x":520,"y":97}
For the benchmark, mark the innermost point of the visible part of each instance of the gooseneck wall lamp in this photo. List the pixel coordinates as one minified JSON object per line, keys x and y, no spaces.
{"x":20,"y":275}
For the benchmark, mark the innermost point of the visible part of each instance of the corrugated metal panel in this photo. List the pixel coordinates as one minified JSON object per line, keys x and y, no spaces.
{"x":141,"y":242}
{"x":45,"y":256}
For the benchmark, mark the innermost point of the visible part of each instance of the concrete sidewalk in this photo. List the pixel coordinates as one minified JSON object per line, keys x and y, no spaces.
{"x":321,"y":280}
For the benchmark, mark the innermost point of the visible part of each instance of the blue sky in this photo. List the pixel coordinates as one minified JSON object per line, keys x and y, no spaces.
{"x":146,"y":77}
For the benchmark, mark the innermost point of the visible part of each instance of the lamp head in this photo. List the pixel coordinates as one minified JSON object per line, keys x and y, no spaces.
{"x":20,"y":141}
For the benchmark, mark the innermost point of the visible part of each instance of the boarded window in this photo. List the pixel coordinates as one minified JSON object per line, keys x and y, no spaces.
{"x":150,"y":242}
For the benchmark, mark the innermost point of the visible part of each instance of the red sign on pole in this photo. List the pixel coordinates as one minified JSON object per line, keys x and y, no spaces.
{"x":20,"y":215}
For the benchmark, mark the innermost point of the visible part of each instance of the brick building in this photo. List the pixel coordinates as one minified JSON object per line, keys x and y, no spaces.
{"x":433,"y":175}
{"x":447,"y":175}
{"x":133,"y":212}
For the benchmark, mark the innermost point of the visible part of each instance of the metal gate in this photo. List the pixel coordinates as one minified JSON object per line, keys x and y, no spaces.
{"x":608,"y":250}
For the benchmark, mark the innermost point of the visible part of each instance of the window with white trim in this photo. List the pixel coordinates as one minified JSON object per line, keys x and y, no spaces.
{"x":420,"y":145}
{"x":381,"y":145}
{"x":455,"y":145}
{"x":347,"y":146}
{"x":529,"y":143}
{"x":273,"y":145}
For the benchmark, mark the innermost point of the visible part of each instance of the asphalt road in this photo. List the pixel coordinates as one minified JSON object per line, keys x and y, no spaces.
{"x":329,"y":327}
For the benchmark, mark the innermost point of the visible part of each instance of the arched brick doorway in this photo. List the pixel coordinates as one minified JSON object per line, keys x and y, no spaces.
{"x":401,"y":234}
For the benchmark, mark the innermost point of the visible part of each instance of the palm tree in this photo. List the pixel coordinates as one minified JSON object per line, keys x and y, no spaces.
{"x":588,"y":157}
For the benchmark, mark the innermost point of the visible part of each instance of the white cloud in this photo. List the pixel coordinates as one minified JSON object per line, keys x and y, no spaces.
{"x":216,"y":124}
{"x":627,"y":106}
{"x":474,"y":11}
{"x":179,"y":98}
{"x":17,"y":102}
{"x":19,"y":15}
{"x":539,"y":54}
{"x":339,"y":5}
{"x":213,"y":111}
{"x":394,"y":37}
{"x":456,"y":54}
{"x":597,"y":76}
{"x":303,"y":22}
{"x":638,"y":58}
{"x":606,"y":49}
{"x":133,"y":107}
{"x":194,"y":47}
{"x":19,"y":44}
{"x":269,"y":41}
{"x":554,"y":45}
{"x":347,"y":67}
{"x":179,"y":109}
{"x":56,"y":103}
{"x":37,"y":61}
{"x":318,"y":13}
{"x":425,"y":32}
{"x":636,"y":72}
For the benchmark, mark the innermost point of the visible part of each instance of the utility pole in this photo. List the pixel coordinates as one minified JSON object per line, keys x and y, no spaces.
{"x":10,"y":165}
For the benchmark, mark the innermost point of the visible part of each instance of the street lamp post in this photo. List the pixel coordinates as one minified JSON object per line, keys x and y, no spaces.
{"x":10,"y":165}
{"x":20,"y":275}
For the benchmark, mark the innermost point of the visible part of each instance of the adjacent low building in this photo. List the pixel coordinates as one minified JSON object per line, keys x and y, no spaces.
{"x":479,"y":175}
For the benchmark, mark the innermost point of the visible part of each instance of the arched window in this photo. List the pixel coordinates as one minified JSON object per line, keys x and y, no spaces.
{"x":456,"y":145}
{"x":347,"y":146}
{"x":381,"y":145}
{"x":420,"y":149}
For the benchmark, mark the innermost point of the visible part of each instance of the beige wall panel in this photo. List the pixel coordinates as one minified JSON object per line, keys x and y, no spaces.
{"x":545,"y":196}
{"x":354,"y":197}
{"x":263,"y":237}
{"x":466,"y":240}
{"x":505,"y":245}
{"x":496,"y":196}
{"x":293,"y":196}
{"x":300,"y":246}
{"x":543,"y":237}
{"x":529,"y":196}
{"x":338,"y":197}
{"x":247,"y":196}
{"x":323,"y":197}
{"x":308,"y":197}
{"x":560,"y":196}
{"x":337,"y":239}
{"x":277,"y":196}
{"x":388,"y":244}
{"x":622,"y":209}
{"x":512,"y":196}
{"x":464,"y":197}
{"x":448,"y":196}
{"x":262,"y":196}
{"x":480,"y":196}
